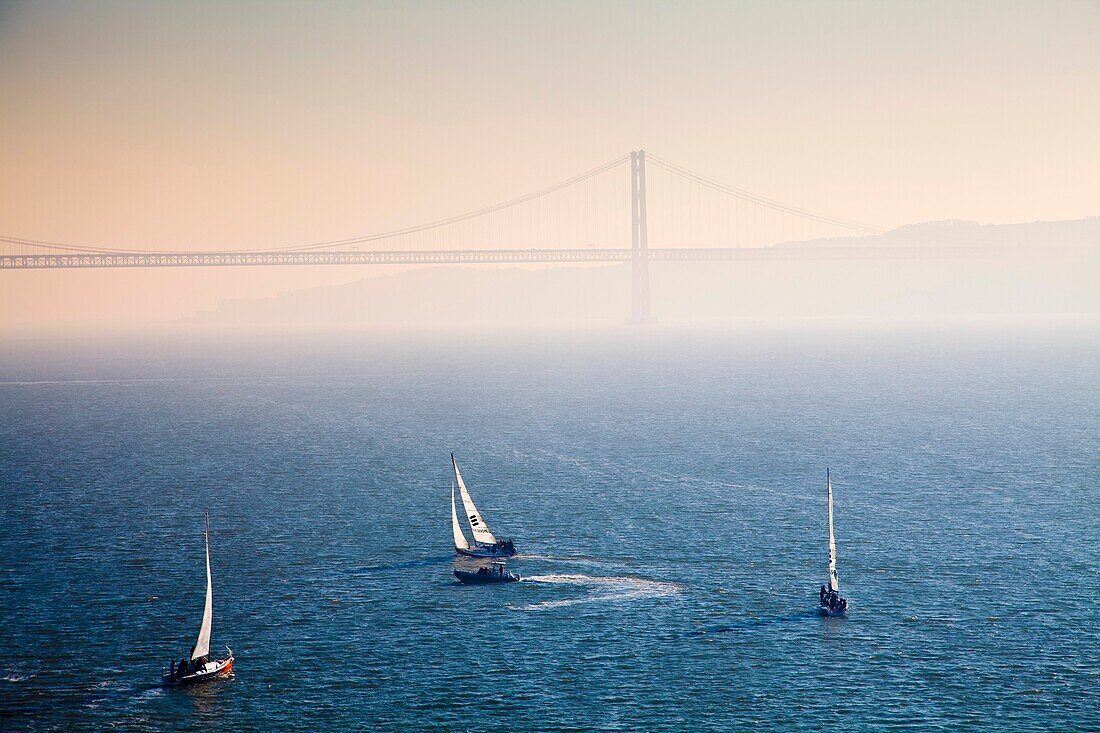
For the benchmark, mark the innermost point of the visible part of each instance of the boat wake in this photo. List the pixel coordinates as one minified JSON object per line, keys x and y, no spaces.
{"x":600,"y":589}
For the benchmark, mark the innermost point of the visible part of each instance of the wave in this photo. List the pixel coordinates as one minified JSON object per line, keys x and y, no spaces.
{"x":601,"y":589}
{"x":407,"y":565}
{"x":752,"y":623}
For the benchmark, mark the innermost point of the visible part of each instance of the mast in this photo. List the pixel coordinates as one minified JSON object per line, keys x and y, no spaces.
{"x":834,"y":581}
{"x":480,"y":529}
{"x":202,"y":646}
{"x":456,"y":528}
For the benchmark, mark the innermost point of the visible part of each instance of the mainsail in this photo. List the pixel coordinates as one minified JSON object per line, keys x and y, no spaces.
{"x":202,"y":646}
{"x":834,"y":582}
{"x":456,"y":528}
{"x":482,"y":535}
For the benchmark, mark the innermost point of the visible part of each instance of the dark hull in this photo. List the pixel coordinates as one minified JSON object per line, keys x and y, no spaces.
{"x":475,"y":578}
{"x":484,"y":552}
{"x":223,"y":668}
{"x":833,"y":612}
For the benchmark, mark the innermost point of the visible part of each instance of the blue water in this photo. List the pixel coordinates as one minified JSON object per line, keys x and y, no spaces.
{"x":665,"y":488}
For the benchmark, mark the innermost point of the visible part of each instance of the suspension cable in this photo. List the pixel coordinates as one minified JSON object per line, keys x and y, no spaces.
{"x":756,"y":199}
{"x":353,"y":240}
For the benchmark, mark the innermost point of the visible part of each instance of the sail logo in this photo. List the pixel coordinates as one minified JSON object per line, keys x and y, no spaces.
{"x":473,"y":520}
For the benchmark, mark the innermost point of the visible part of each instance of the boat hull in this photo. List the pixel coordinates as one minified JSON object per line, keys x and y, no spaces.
{"x":833,"y":612}
{"x":218,"y":669}
{"x":484,"y":552}
{"x":475,"y":578}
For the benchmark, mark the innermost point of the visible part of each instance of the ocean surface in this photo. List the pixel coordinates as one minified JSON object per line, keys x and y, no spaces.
{"x":665,"y":488}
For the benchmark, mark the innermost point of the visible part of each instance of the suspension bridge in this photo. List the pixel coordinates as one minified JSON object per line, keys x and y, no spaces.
{"x":670,"y":214}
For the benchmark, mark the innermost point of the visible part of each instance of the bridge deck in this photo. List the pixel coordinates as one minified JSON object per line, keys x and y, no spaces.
{"x":474,"y":256}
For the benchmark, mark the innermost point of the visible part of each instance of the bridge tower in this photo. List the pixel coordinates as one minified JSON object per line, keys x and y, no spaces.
{"x":639,"y":243}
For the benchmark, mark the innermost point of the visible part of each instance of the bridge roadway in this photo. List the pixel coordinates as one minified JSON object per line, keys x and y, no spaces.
{"x":476,"y":256}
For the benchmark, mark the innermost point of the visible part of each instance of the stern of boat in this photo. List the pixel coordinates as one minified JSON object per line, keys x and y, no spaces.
{"x":227,"y":664}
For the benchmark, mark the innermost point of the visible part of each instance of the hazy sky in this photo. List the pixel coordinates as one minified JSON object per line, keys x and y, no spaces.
{"x":252,"y":124}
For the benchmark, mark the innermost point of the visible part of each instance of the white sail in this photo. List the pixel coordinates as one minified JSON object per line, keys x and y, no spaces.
{"x":456,"y":528}
{"x":834,"y":581}
{"x":202,"y":646}
{"x":482,"y":535}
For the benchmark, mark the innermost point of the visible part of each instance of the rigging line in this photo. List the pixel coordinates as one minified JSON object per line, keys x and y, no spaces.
{"x":731,"y":190}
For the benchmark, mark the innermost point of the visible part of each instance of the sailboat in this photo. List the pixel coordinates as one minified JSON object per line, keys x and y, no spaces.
{"x":485,"y":544}
{"x":200,"y":668}
{"x":831,"y":603}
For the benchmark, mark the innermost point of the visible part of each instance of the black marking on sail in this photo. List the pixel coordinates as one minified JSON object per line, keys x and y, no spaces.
{"x":473,"y":520}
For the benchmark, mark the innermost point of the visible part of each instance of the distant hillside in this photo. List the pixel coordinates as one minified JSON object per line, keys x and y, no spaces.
{"x":1075,"y":233}
{"x":1049,"y":267}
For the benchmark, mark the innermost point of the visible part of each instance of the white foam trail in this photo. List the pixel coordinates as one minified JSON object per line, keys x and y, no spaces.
{"x":578,"y":559}
{"x":605,"y":588}
{"x":577,"y":579}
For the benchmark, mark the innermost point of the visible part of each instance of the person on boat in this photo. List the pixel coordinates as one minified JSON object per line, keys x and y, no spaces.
{"x":821,"y":596}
